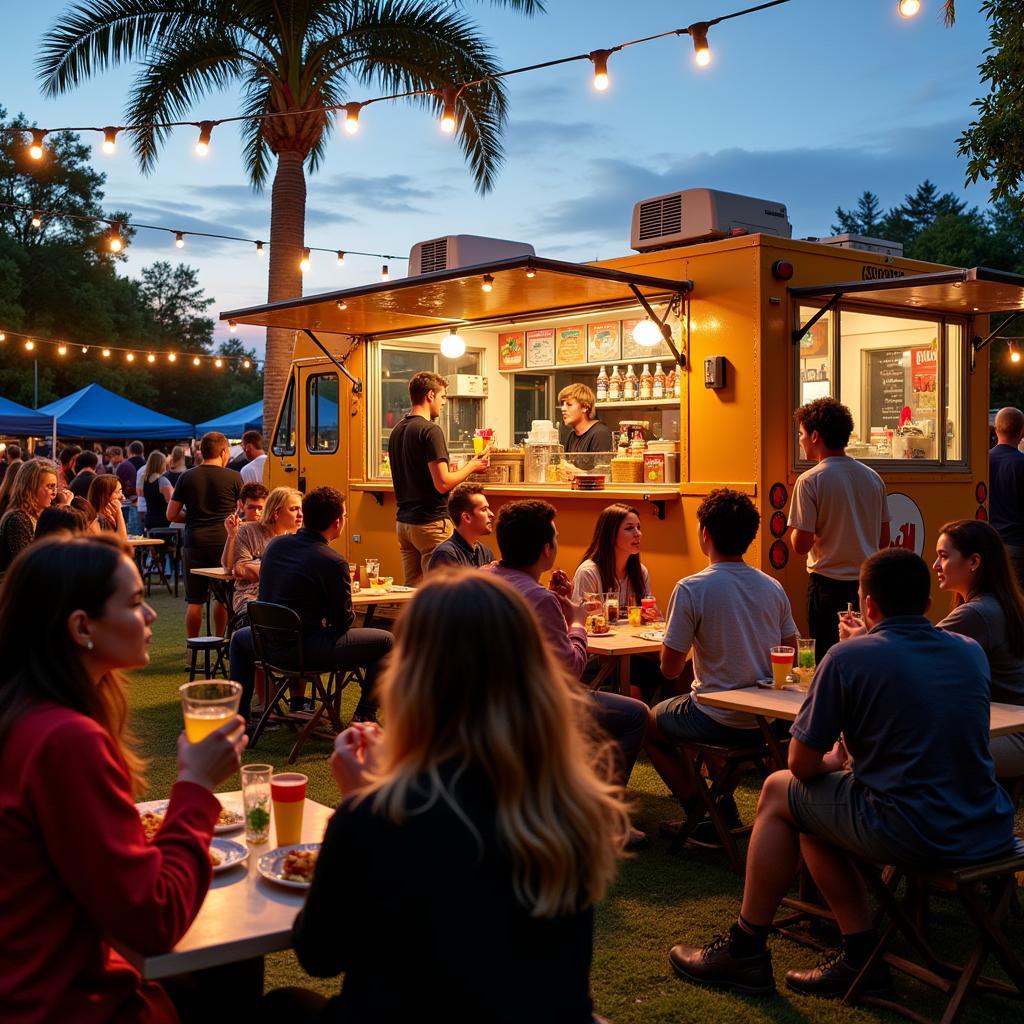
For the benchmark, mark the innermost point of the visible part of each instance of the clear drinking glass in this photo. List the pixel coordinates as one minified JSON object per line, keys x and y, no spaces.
{"x":256,"y":801}
{"x":207,"y":704}
{"x":805,"y":662}
{"x":782,"y":665}
{"x":611,"y":607}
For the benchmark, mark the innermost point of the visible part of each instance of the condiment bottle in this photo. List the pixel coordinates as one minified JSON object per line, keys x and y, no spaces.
{"x":629,"y":385}
{"x":658,"y":384}
{"x":602,"y":385}
{"x":646,"y":383}
{"x":615,"y":385}
{"x":670,"y":383}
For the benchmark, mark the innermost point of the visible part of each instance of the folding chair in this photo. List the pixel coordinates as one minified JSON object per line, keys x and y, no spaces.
{"x":171,"y":550}
{"x":968,"y":885}
{"x":276,"y":628}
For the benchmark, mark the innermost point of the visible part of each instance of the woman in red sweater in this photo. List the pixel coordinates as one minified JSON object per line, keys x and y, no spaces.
{"x":77,"y":876}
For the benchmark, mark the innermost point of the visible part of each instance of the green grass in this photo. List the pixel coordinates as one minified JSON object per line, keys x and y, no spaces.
{"x":659,"y":899}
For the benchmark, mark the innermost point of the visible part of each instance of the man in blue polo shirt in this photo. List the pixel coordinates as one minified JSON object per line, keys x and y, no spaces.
{"x":917,"y":787}
{"x":473,"y":519}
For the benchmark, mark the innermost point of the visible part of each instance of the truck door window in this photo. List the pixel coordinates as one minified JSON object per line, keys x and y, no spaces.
{"x":322,"y":420}
{"x":284,"y":434}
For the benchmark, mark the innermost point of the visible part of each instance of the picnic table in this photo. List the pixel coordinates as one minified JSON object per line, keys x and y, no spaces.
{"x":243,"y":916}
{"x":615,"y":648}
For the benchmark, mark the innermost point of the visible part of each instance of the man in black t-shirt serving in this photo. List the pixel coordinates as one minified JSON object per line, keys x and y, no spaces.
{"x":585,"y":434}
{"x":419,"y":469}
{"x":203,"y":498}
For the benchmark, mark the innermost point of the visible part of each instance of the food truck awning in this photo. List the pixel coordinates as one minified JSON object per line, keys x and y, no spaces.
{"x":523,"y":286}
{"x":978,"y":290}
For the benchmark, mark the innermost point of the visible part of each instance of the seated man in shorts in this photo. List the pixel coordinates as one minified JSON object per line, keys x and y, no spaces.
{"x":731,"y":615}
{"x":912,"y":703}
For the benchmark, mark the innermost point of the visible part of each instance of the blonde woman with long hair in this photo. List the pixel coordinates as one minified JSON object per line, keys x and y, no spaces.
{"x":33,"y":488}
{"x":457,"y":879}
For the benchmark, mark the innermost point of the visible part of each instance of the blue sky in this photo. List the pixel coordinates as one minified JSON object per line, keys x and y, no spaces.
{"x":809,"y":104}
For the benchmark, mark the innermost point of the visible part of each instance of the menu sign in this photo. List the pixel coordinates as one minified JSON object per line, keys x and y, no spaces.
{"x":631,"y":350}
{"x":570,"y":345}
{"x":887,"y":385}
{"x":540,"y":348}
{"x":603,"y":342}
{"x":511,"y":351}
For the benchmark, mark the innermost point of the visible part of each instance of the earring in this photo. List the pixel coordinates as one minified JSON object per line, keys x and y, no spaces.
{"x":89,"y":646}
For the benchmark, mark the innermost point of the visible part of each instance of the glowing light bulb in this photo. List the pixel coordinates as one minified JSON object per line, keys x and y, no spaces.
{"x":115,"y":241}
{"x":205,"y":131}
{"x":531,"y":273}
{"x":647,"y":333}
{"x":342,"y":305}
{"x":385,"y":274}
{"x":35,"y":149}
{"x":218,"y":362}
{"x":150,"y":358}
{"x":106,"y":353}
{"x":109,"y":140}
{"x":600,"y":62}
{"x":232,"y":326}
{"x":62,"y":349}
{"x":246,"y":363}
{"x":909,"y":8}
{"x":172,"y":357}
{"x":453,"y":345}
{"x":37,"y":219}
{"x":259,"y":248}
{"x":448,"y":119}
{"x":195,"y":360}
{"x":30,"y":345}
{"x":85,"y":348}
{"x":179,"y":239}
{"x":3,"y":337}
{"x":488,"y":283}
{"x":352,"y":117}
{"x":1014,"y":352}
{"x":130,"y":357}
{"x":341,"y":258}
{"x":304,"y":262}
{"x":701,"y":50}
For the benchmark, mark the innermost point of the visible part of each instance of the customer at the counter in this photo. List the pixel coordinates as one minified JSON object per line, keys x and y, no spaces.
{"x":586,"y":434}
{"x":838,"y":517}
{"x":422,"y":476}
{"x":1006,"y":485}
{"x":473,"y":519}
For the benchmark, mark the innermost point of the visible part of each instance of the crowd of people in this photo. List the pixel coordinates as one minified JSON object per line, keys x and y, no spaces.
{"x":483,"y":782}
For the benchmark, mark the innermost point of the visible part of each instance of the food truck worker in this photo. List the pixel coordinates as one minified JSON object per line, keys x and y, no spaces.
{"x":839,"y":516}
{"x":422,"y":477}
{"x":586,"y":434}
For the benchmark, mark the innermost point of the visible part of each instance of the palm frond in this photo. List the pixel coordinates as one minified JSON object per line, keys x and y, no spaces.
{"x":255,"y":151}
{"x":949,"y":14}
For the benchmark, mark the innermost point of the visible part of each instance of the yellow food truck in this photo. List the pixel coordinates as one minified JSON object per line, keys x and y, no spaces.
{"x":761,"y":323}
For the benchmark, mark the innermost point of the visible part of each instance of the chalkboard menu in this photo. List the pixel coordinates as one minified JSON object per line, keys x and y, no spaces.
{"x":887,"y":384}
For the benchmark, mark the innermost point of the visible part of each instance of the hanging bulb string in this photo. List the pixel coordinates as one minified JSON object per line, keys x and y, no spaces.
{"x":352,"y":109}
{"x":131,"y":352}
{"x":110,"y":222}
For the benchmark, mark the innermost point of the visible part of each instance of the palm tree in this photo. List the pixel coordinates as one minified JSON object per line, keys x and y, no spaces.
{"x":290,"y":57}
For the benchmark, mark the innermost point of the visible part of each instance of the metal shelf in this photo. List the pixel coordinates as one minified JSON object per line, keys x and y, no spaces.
{"x":642,"y":403}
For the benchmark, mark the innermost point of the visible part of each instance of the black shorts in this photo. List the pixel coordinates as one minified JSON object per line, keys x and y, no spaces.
{"x":197,"y":588}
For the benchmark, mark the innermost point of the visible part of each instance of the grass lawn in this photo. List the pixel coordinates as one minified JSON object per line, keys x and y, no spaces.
{"x":658,"y":900}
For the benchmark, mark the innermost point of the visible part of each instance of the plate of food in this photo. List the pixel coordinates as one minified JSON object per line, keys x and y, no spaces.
{"x":151,"y":814}
{"x":655,"y":635}
{"x":292,"y":866}
{"x":226,"y":853}
{"x":230,"y":819}
{"x":397,"y":588}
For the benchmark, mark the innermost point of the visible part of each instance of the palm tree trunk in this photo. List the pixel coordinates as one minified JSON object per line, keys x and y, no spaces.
{"x":287,"y":235}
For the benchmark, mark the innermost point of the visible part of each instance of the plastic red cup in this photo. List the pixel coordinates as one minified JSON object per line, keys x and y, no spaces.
{"x":288,"y":795}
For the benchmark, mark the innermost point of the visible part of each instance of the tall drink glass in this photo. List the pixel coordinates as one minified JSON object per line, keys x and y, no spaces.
{"x":805,"y":662}
{"x":207,"y":704}
{"x":611,"y":606}
{"x":782,"y":665}
{"x":256,"y":801}
{"x":288,"y":794}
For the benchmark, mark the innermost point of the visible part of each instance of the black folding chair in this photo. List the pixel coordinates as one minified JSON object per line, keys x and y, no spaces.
{"x":277,"y":629}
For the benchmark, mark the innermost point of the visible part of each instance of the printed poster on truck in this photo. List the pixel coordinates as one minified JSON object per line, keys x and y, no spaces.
{"x":511,"y":351}
{"x":570,"y":345}
{"x":540,"y":348}
{"x":603,"y":342}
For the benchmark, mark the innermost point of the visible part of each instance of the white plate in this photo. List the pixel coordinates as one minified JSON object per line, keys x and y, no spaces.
{"x":269,"y":865}
{"x":396,"y":588}
{"x":160,"y":807}
{"x":233,"y":852}
{"x":610,"y":631}
{"x":655,"y":635}
{"x":233,"y":826}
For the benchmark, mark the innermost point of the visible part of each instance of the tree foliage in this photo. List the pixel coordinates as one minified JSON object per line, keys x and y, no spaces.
{"x":61,"y":281}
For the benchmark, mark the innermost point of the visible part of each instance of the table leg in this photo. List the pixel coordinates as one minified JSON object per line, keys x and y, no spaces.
{"x":608,"y":666}
{"x":771,"y":741}
{"x":368,"y":613}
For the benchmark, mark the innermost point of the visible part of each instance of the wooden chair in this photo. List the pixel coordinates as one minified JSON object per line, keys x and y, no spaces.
{"x":984,"y":891}
{"x":276,"y":628}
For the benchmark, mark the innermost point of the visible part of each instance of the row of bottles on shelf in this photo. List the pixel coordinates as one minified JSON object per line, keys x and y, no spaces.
{"x":629,"y":387}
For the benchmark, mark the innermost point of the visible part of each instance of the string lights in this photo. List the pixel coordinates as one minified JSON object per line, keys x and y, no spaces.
{"x":448,"y":95}
{"x":33,"y":343}
{"x":909,"y":8}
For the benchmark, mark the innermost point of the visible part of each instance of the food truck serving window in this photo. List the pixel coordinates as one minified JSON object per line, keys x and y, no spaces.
{"x":284,"y":435}
{"x":322,"y":413}
{"x":902,"y":378}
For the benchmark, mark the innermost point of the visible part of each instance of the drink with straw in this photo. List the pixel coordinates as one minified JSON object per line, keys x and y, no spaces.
{"x":288,"y":795}
{"x":782,"y":665}
{"x":208,"y":704}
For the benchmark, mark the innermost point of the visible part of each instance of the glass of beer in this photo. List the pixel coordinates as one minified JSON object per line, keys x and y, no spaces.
{"x":207,"y":704}
{"x":782,"y":665}
{"x":635,"y":614}
{"x":288,"y":795}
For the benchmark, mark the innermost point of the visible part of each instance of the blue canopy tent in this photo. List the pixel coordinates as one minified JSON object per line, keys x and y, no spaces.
{"x":235,"y":424}
{"x":24,"y":422}
{"x":96,"y":412}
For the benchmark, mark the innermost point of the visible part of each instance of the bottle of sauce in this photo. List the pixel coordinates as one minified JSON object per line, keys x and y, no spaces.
{"x":629,"y":385}
{"x":646,"y":385}
{"x":670,"y":383}
{"x":602,"y":385}
{"x":658,"y":383}
{"x":615,"y":385}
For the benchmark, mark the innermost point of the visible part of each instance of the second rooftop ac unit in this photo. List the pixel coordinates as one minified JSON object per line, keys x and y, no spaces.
{"x":452,"y":251}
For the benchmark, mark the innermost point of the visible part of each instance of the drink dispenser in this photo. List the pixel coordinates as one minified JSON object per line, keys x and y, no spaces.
{"x":541,"y":446}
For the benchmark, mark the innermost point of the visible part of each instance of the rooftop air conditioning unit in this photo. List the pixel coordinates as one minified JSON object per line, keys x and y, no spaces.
{"x":864,"y":243}
{"x":697,"y":214}
{"x":453,"y":251}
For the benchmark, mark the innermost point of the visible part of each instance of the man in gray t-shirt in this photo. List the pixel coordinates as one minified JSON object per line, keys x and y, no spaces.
{"x":731,"y":615}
